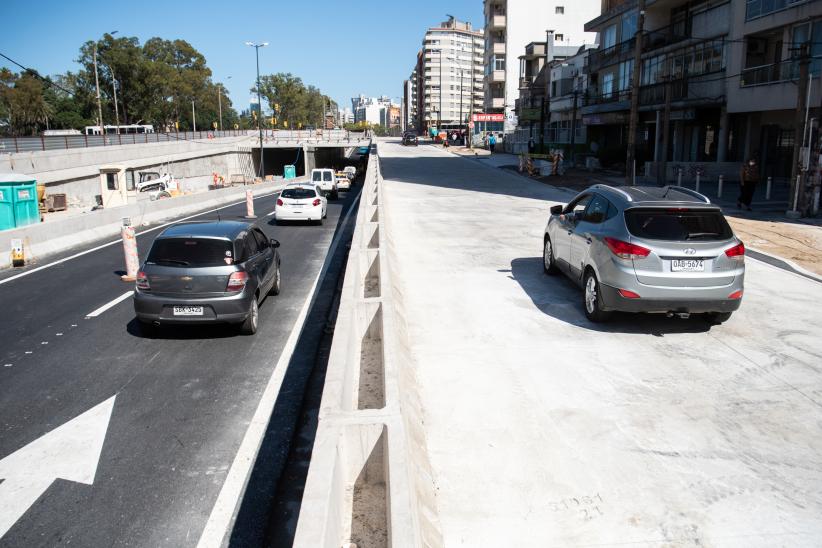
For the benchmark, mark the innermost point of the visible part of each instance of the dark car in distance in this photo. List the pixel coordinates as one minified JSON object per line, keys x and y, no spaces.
{"x":208,"y":272}
{"x":409,"y":139}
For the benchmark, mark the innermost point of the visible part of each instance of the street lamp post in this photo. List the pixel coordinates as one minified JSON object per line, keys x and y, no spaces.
{"x":97,"y":85}
{"x":259,"y":104}
{"x":220,"y":102}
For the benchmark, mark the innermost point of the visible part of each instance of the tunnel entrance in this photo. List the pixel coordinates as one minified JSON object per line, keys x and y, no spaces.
{"x":277,"y":158}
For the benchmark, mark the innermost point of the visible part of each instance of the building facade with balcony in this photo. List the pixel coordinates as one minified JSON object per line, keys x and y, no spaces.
{"x":449,"y":83}
{"x":684,"y":54}
{"x":510,"y":26}
{"x":767,"y":43}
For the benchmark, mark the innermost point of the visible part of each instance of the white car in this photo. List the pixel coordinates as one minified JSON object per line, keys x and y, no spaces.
{"x":324,"y":178}
{"x":343,"y":182}
{"x":352,"y":172}
{"x":301,"y":202}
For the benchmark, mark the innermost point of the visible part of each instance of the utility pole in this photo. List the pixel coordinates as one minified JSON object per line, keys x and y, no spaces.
{"x":116,"y":110}
{"x":439,"y":110}
{"x":193,"y":115}
{"x":462,"y":74}
{"x":546,"y":115}
{"x":796,"y":191}
{"x":662,"y":168}
{"x":633,"y":121}
{"x":260,"y":105}
{"x":574,"y":126}
{"x":97,"y":85}
{"x":220,"y":105}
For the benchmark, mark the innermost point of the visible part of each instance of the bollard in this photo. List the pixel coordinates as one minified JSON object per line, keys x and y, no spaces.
{"x":130,"y":251}
{"x":697,"y":182}
{"x":679,"y":177}
{"x":719,"y":186}
{"x":768,"y":188}
{"x":249,"y":205}
{"x":18,"y":257}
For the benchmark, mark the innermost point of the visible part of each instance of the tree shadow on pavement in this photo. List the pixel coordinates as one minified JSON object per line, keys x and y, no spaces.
{"x":560,"y":298}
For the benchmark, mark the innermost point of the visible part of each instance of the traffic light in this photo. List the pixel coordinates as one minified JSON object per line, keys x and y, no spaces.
{"x":254,"y":114}
{"x":277,"y":108}
{"x":299,"y":125}
{"x":214,"y":125}
{"x":285,"y":123}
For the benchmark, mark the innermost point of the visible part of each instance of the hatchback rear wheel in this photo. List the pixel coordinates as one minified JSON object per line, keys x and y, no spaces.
{"x":249,"y":326}
{"x":592,"y":300}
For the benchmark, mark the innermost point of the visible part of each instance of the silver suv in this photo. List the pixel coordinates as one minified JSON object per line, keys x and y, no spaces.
{"x":647,"y":249}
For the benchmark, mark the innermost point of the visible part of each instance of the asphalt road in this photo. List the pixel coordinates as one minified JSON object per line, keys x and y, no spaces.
{"x":182,"y":400}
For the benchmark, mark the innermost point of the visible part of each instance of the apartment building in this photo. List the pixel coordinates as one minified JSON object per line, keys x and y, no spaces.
{"x":685,"y":50}
{"x":510,"y":25}
{"x":767,"y":42}
{"x":450,"y":75}
{"x":409,"y":102}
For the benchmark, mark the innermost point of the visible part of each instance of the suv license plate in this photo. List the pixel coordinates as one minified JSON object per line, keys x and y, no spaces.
{"x":687,"y":265}
{"x":188,"y":310}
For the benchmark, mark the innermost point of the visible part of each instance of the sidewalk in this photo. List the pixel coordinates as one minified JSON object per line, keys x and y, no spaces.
{"x":546,"y":430}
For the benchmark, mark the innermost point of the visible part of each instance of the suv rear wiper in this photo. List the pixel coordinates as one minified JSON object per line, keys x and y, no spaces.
{"x":172,"y":261}
{"x":694,"y":235}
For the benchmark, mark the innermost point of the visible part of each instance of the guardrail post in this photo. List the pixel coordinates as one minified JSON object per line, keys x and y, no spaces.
{"x":697,"y":181}
{"x":16,"y":145}
{"x":679,"y":177}
{"x":768,"y":188}
{"x":719,"y":188}
{"x":43,"y":142}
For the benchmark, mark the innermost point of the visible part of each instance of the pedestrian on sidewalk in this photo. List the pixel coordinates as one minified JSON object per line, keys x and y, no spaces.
{"x":492,"y":142}
{"x":748,"y":178}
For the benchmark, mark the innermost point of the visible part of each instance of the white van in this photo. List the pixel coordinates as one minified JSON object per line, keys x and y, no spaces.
{"x":324,"y":178}
{"x":352,"y":172}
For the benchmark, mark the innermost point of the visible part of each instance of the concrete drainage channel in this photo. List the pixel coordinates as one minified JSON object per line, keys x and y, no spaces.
{"x":369,"y":482}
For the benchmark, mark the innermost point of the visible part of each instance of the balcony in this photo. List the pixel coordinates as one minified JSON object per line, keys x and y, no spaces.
{"x":610,"y":56}
{"x":496,"y":77}
{"x":496,"y":22}
{"x":665,"y":36}
{"x":758,"y":8}
{"x":498,"y":48}
{"x":770,"y":74}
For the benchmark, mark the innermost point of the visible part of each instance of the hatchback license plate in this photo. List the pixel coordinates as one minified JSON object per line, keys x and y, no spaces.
{"x":188,"y":310}
{"x":687,"y":265}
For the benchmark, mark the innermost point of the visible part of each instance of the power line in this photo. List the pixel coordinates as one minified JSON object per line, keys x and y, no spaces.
{"x":37,"y":74}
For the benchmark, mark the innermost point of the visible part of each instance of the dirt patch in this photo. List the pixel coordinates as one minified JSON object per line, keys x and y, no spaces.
{"x":371,"y":393}
{"x":369,"y":516}
{"x":797,"y":242}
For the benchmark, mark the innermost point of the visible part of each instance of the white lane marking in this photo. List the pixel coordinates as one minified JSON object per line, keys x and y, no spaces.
{"x":222,"y":514}
{"x":102,"y":246}
{"x":109,"y":304}
{"x":29,"y":352}
{"x":59,"y":334}
{"x":7,"y":365}
{"x":272,"y":213}
{"x":70,"y":452}
{"x":44,"y":342}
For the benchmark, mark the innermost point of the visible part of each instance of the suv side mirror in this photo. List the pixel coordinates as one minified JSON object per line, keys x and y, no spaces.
{"x":556,"y":210}
{"x":275,"y":243}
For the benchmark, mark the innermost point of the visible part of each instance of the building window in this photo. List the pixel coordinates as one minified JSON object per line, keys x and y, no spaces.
{"x":609,"y":37}
{"x":608,"y":84}
{"x":559,"y":10}
{"x":558,"y":37}
{"x":626,"y":69}
{"x":628,"y":26}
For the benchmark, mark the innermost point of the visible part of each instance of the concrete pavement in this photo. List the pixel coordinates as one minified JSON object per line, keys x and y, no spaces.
{"x":546,"y":430}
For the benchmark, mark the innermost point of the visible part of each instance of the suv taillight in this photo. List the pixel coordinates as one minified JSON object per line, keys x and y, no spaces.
{"x":737,"y":252}
{"x":237,"y":281}
{"x":624,"y":250}
{"x":316,"y":202}
{"x":279,"y":202}
{"x":142,"y":282}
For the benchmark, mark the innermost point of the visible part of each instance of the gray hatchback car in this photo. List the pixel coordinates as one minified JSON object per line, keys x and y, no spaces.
{"x":208,"y":272}
{"x":647,"y":249}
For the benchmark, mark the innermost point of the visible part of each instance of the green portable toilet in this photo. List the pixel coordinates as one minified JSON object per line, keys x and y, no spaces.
{"x":289,"y":172}
{"x":18,"y":201}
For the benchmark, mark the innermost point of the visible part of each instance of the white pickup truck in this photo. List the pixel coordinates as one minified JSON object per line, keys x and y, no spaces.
{"x":324,"y":178}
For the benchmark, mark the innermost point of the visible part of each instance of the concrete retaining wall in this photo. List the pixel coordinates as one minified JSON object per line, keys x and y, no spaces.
{"x":44,"y":239}
{"x":369,"y":481}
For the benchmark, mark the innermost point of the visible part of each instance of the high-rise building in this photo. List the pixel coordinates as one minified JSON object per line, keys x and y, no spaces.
{"x":510,"y":25}
{"x":451,"y":76}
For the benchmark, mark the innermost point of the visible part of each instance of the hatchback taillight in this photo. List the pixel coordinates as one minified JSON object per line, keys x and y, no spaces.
{"x":142,"y":281}
{"x":237,"y":281}
{"x":279,"y":202}
{"x":316,"y":202}
{"x":737,"y":252}
{"x":624,"y":250}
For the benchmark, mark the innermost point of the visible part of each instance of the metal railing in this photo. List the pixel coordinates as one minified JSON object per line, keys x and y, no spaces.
{"x":609,"y":56}
{"x":664,"y":36}
{"x":63,"y":142}
{"x":782,"y":71}
{"x":758,"y":8}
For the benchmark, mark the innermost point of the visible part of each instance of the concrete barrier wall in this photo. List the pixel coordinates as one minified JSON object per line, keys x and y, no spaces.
{"x":44,"y":239}
{"x":369,"y":481}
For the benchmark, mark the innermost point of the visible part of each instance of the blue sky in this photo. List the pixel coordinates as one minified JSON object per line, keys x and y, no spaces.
{"x":345,"y":48}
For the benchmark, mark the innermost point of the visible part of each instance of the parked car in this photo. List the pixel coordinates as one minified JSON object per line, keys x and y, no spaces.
{"x":324,"y":178}
{"x":352,"y":172}
{"x":343,"y":182}
{"x":647,"y":249}
{"x":208,"y":272}
{"x":409,"y":139}
{"x":363,"y":151}
{"x":301,"y":202}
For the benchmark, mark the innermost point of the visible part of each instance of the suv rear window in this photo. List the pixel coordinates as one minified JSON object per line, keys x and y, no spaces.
{"x":678,"y":224}
{"x":297,"y":193}
{"x":188,"y":252}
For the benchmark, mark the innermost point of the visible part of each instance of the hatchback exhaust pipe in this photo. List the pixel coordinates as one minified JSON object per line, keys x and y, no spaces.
{"x":681,"y":315}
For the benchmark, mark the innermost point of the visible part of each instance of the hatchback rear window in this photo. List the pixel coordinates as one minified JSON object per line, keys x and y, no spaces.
{"x":297,"y":193}
{"x":678,"y":224}
{"x":188,"y":252}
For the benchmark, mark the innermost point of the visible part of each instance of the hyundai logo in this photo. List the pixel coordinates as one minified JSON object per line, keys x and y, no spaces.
{"x":690,"y":251}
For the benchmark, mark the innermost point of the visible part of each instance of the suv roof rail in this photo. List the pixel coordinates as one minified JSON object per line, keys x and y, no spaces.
{"x":615,"y":189}
{"x":689,"y":192}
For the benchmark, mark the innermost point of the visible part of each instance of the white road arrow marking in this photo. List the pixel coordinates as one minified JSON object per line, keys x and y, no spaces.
{"x":70,"y":452}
